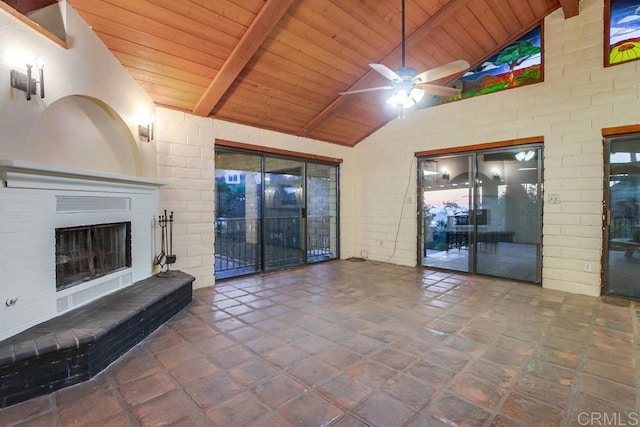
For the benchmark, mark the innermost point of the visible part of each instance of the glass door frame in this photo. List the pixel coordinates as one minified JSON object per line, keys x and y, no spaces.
{"x":606,"y":288}
{"x":473,"y":153}
{"x":223,"y":146}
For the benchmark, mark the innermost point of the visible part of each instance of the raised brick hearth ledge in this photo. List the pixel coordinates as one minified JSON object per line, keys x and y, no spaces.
{"x":79,"y":344}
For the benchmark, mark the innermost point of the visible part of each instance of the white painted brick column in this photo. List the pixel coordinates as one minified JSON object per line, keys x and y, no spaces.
{"x":185,"y":147}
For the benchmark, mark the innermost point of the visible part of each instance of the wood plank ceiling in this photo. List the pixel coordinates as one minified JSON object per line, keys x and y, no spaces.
{"x":280,"y":64}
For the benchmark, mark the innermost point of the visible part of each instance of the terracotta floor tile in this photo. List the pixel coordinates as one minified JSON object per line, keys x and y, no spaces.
{"x":430,"y":373}
{"x":531,"y":411}
{"x":230,"y":356}
{"x":373,"y":373}
{"x":365,"y":344}
{"x":239,"y":410}
{"x":480,"y":392}
{"x":177,"y":355}
{"x":146,"y":388}
{"x":312,"y":371}
{"x":549,"y":392}
{"x":285,"y":357}
{"x":609,"y":371}
{"x":194,"y":370}
{"x":496,"y":374}
{"x":339,"y":357}
{"x":512,"y":345}
{"x":251,"y":372}
{"x":409,"y":390}
{"x":278,"y":390}
{"x":448,"y":358}
{"x":454,"y":411}
{"x":345,"y":391}
{"x":310,"y":410}
{"x":90,"y":409}
{"x":130,"y":367}
{"x":504,"y":358}
{"x":383,"y":410}
{"x":349,"y":421}
{"x":393,"y":358}
{"x":164,"y":342}
{"x":614,"y":392}
{"x":43,"y":406}
{"x":557,"y":357}
{"x":590,"y":410}
{"x":312,"y":344}
{"x":213,"y":390}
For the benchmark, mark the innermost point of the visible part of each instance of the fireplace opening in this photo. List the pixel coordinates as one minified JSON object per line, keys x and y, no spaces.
{"x":85,"y":253}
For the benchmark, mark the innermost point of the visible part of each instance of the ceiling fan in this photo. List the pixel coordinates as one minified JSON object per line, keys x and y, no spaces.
{"x":410,"y":86}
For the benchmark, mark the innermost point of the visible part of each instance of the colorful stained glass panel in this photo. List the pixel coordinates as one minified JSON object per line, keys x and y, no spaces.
{"x":518,"y":64}
{"x":622,"y":31}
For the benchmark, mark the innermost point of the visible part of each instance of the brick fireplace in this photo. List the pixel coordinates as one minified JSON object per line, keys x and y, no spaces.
{"x":35,"y":201}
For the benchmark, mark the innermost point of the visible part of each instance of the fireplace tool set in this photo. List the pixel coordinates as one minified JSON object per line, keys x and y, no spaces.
{"x":166,"y":256}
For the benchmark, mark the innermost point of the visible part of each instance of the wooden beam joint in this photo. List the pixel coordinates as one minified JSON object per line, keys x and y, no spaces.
{"x":570,"y":8}
{"x":264,"y":22}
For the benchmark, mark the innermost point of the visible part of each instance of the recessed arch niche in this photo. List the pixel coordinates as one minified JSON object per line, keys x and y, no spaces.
{"x":83,"y":132}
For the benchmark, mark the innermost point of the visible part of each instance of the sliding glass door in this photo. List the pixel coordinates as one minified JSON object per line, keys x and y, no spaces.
{"x":273,"y":212}
{"x":622,"y":202}
{"x":482,"y":212}
{"x":447,"y":201}
{"x":509,"y":214}
{"x":284,"y":213}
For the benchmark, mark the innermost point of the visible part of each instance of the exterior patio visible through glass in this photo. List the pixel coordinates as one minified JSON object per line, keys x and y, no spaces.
{"x":482,"y":212}
{"x":273,"y":213}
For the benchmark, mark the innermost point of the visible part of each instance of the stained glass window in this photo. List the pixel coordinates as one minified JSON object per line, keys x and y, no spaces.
{"x":622,"y":31}
{"x":517,"y":64}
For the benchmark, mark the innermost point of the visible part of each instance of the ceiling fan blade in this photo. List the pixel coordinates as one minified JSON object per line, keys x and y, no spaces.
{"x":442,"y":71}
{"x":439,"y":90}
{"x":371,"y":89}
{"x":387,"y":72}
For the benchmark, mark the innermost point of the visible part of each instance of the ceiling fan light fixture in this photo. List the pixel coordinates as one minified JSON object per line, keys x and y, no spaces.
{"x":406,"y":99}
{"x":403,"y":99}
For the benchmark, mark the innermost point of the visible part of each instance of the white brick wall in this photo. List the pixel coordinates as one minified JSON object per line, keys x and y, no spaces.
{"x":578,"y":98}
{"x":186,"y":154}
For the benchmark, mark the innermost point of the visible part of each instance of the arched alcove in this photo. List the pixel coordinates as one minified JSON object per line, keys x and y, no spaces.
{"x":83,"y":132}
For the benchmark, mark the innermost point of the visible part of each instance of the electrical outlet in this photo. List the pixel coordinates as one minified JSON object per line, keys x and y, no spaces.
{"x":553,"y":199}
{"x":587,"y":267}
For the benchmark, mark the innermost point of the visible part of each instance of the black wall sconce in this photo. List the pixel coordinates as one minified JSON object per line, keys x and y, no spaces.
{"x":26,"y":83}
{"x":146,"y":131}
{"x":445,"y":175}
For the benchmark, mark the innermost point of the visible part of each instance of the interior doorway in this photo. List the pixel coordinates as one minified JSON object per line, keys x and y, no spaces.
{"x":622,"y":205}
{"x":482,"y":212}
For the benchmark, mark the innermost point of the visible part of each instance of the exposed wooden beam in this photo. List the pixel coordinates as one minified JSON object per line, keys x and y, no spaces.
{"x":441,"y":16}
{"x":27,"y":6}
{"x":264,"y":22}
{"x":570,"y":8}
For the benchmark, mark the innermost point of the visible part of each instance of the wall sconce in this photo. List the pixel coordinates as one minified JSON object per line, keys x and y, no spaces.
{"x":146,"y":131}
{"x":496,"y":175}
{"x":26,"y":83}
{"x":445,"y":175}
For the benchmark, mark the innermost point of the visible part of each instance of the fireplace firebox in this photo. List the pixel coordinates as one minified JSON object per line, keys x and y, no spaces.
{"x":85,"y":253}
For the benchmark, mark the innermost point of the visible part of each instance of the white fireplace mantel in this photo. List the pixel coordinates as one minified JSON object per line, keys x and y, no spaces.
{"x":24,"y":174}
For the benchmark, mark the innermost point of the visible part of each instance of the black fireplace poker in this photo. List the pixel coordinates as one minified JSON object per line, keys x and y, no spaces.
{"x":166,"y":256}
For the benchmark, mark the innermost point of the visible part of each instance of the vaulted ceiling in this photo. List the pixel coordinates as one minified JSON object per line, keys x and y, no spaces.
{"x":280,"y":64}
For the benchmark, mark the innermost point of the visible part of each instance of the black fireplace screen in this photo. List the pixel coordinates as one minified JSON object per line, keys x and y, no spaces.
{"x":87,"y":252}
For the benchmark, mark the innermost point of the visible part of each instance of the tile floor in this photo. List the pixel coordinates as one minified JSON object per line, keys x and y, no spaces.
{"x":359,"y":343}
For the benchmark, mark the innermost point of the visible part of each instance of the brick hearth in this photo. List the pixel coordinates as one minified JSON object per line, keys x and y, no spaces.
{"x":79,"y":344}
